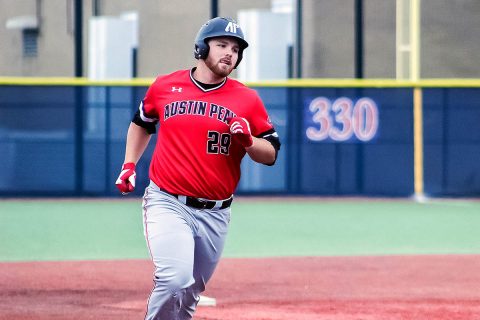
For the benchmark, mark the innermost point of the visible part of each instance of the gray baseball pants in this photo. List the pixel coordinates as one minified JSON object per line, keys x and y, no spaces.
{"x":185,"y":245}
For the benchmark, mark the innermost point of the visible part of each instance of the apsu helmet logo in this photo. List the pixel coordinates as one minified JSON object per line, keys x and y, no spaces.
{"x":232,"y":27}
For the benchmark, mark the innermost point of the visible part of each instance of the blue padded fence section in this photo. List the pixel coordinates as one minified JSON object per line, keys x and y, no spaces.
{"x":66,"y":140}
{"x":451,"y":124}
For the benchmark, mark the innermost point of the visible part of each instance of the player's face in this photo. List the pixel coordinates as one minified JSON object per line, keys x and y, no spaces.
{"x":223,"y":55}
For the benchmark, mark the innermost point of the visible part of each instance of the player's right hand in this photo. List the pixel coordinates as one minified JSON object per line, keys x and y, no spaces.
{"x":126,"y":180}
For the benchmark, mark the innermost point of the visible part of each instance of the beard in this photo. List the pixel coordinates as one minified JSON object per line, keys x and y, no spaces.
{"x":220,"y":69}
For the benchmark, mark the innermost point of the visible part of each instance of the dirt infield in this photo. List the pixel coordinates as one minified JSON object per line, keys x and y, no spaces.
{"x":346,"y":288}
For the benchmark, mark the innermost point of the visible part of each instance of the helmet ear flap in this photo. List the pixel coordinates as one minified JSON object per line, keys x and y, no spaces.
{"x":201,"y":50}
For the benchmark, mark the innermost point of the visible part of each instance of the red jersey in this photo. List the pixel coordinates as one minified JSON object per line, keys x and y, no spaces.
{"x":195,"y":154}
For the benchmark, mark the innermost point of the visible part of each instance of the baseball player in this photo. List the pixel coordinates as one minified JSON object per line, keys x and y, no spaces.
{"x":207,"y":122}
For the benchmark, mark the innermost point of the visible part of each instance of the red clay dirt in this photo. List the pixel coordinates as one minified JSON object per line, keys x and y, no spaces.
{"x":334,"y":288}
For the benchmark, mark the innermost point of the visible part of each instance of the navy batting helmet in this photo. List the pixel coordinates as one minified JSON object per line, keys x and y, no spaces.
{"x":218,"y":27}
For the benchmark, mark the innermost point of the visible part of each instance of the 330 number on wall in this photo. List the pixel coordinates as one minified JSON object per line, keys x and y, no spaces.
{"x":342,"y":119}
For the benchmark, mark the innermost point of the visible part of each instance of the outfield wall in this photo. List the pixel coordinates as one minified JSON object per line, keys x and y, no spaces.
{"x":66,"y":137}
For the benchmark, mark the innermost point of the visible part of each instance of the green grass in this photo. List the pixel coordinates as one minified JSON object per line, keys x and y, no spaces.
{"x":112,"y":229}
{"x":355,"y":228}
{"x":70,"y":230}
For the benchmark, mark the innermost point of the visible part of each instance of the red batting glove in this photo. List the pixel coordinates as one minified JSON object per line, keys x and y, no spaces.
{"x":240,"y":128}
{"x":126,"y":180}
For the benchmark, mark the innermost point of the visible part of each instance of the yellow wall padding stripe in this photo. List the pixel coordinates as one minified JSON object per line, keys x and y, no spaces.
{"x":55,"y":81}
{"x":369,"y":83}
{"x":418,"y":141}
{"x":291,"y":83}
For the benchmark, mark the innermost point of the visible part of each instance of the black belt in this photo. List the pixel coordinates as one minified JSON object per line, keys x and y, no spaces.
{"x":200,"y":203}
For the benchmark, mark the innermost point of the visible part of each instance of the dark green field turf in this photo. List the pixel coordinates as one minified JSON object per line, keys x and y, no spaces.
{"x":112,"y":229}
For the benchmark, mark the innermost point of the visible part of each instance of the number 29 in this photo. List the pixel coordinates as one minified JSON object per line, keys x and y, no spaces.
{"x":218,"y":143}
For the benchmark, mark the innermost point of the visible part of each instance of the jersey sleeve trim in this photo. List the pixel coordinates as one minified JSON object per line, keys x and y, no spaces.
{"x":150,"y":127}
{"x":144,"y":116}
{"x":141,"y":119}
{"x":272,"y":137}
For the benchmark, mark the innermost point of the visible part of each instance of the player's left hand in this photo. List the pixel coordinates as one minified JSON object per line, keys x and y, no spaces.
{"x":240,"y":128}
{"x":126,"y":180}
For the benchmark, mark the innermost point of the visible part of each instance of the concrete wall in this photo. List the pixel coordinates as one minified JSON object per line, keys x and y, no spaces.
{"x":449,"y":38}
{"x":450,"y":46}
{"x":168,"y":29}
